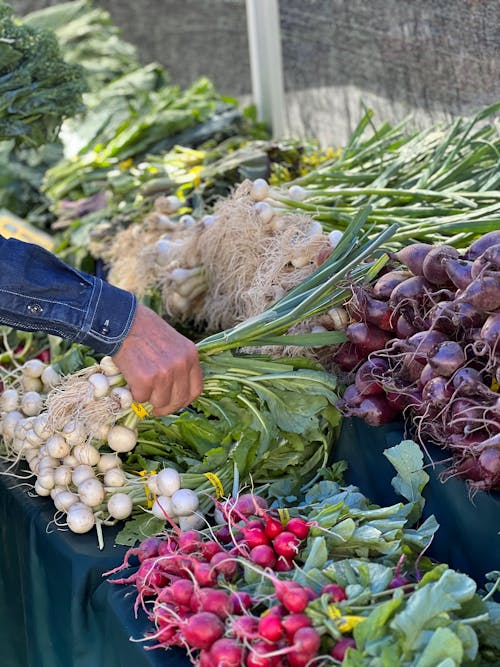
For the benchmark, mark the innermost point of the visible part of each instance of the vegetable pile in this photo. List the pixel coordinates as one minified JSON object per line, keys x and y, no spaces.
{"x":292,"y":587}
{"x":38,"y":89}
{"x":429,"y":330}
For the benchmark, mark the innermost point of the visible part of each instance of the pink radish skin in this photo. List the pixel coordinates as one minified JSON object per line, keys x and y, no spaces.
{"x":273,"y":527}
{"x":227,"y":653}
{"x":203,"y":629}
{"x":147,"y":549}
{"x":189,"y":541}
{"x":293,"y":622}
{"x":298,"y":527}
{"x":204,"y":573}
{"x":341,"y":647}
{"x":283,"y":564}
{"x":257,"y":655}
{"x":181,"y":591}
{"x":210,"y":548}
{"x":270,"y":628}
{"x":254,"y":537}
{"x":245,"y":627}
{"x":213,"y":600}
{"x":286,"y":544}
{"x":335,"y":592}
{"x":224,"y":564}
{"x":263,"y":555}
{"x":242,"y":601}
{"x":248,"y":504}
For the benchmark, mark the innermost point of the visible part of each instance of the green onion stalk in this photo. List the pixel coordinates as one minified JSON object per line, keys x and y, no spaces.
{"x":438,"y":185}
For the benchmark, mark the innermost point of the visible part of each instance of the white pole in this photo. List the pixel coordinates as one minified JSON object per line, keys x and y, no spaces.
{"x":266,"y":65}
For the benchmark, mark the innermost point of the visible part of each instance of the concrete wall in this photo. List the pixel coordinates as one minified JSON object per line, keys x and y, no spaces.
{"x":431,"y":58}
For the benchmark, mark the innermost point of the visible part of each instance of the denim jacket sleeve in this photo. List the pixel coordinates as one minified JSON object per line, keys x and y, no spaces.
{"x":39,"y":292}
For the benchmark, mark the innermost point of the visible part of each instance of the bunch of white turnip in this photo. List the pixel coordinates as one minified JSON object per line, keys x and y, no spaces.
{"x":71,"y":432}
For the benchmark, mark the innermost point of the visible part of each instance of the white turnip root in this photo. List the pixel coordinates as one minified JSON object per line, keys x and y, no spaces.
{"x":120,"y":506}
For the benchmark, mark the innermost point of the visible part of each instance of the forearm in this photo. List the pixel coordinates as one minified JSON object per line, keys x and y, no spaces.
{"x":39,"y":292}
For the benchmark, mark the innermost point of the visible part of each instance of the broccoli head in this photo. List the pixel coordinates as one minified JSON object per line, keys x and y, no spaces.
{"x":38,"y":89}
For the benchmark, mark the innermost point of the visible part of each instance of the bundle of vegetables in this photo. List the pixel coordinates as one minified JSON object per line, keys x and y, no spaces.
{"x":198,"y":177}
{"x":88,"y":37}
{"x":220,"y":270}
{"x":334,"y":579}
{"x":76,"y":460}
{"x":439,"y":185}
{"x":38,"y":89}
{"x":431,"y":331}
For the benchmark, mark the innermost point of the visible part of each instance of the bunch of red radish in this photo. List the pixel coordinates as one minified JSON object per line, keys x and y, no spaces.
{"x":426,"y":343}
{"x":191,"y":586}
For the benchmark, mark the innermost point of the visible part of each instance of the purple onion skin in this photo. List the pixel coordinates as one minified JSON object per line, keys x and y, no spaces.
{"x":348,"y":356}
{"x":448,"y":358}
{"x":465,"y":317}
{"x":399,"y":401}
{"x":425,"y":343}
{"x":375,"y":411}
{"x":413,"y":256}
{"x":368,"y":337}
{"x":351,"y":397}
{"x":469,"y":468}
{"x":480,"y":245}
{"x":442,"y":317}
{"x":483,"y":293}
{"x":412,"y":367}
{"x":427,"y":374}
{"x":373,"y":311}
{"x":459,"y":271}
{"x":488,"y":262}
{"x":437,"y":392}
{"x":413,"y":289}
{"x":433,"y":269}
{"x":490,"y":331}
{"x":387,"y":282}
{"x":404,"y":329}
{"x":489,"y":461}
{"x":368,"y":377}
{"x":466,"y":443}
{"x":468,"y":381}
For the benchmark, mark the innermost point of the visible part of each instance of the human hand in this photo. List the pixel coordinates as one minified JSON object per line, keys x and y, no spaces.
{"x":159,"y":364}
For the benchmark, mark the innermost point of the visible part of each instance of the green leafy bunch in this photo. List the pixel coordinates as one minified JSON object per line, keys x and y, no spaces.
{"x":38,"y":89}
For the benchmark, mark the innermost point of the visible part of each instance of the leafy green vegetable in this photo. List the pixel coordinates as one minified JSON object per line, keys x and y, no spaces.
{"x":411,"y":479}
{"x":87,"y":36}
{"x":38,"y":89}
{"x":138,"y":528}
{"x":256,"y":420}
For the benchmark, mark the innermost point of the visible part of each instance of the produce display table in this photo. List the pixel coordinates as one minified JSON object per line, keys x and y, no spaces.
{"x":56,"y":610}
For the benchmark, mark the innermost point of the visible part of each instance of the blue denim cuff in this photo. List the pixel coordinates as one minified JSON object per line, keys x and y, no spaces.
{"x":109,"y":316}
{"x":39,"y":292}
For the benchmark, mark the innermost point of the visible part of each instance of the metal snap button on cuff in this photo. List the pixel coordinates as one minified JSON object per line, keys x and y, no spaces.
{"x":35,"y":308}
